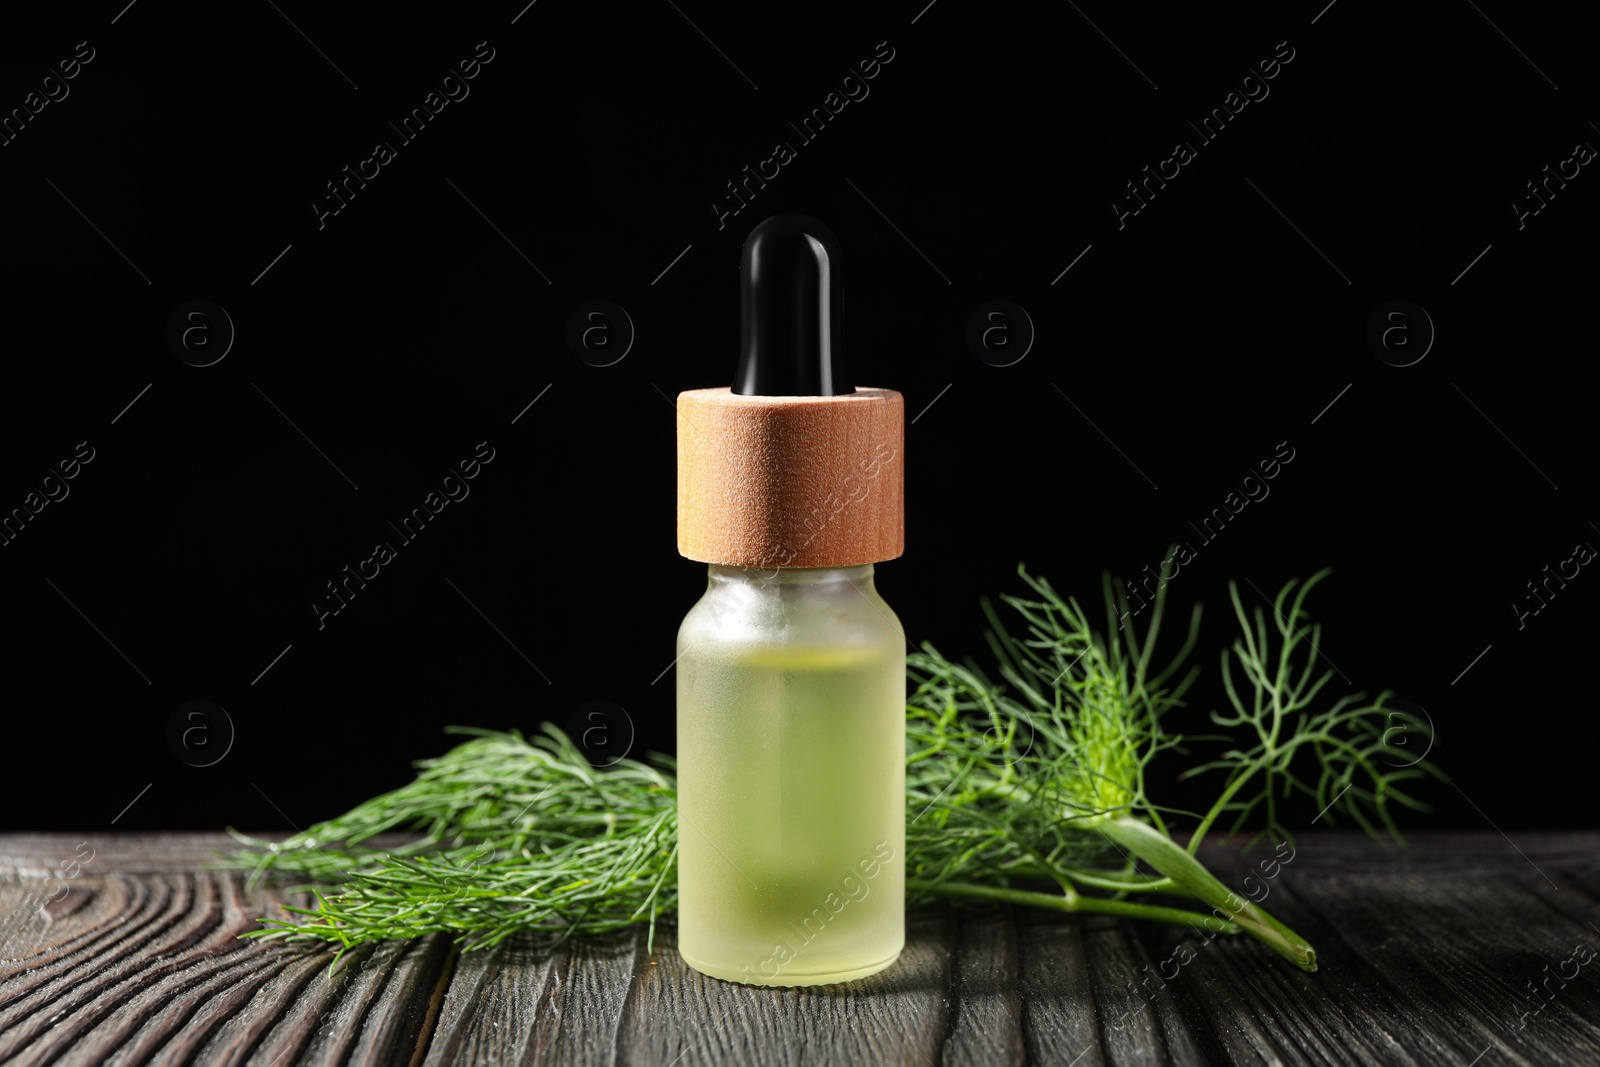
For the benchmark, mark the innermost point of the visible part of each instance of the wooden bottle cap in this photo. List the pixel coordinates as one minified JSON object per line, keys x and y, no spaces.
{"x":791,"y":481}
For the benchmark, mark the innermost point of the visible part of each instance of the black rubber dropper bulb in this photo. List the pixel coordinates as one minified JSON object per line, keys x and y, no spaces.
{"x":790,"y":303}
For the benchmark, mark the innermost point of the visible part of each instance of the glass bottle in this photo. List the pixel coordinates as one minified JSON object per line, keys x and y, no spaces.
{"x":791,"y":765}
{"x":791,"y":677}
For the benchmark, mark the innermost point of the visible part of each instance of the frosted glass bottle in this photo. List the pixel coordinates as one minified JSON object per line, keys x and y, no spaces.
{"x":791,"y":777}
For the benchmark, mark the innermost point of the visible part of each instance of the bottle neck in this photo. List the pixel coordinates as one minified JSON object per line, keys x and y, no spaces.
{"x":859,"y":576}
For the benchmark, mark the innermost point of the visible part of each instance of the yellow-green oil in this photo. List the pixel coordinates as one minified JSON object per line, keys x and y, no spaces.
{"x":791,"y":761}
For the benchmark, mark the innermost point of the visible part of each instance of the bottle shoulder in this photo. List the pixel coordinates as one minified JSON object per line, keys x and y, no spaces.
{"x":764,"y":614}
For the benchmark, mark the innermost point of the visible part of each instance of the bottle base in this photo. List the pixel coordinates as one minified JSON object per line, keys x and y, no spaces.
{"x":789,"y":978}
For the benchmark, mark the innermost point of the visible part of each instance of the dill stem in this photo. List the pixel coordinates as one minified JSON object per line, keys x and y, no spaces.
{"x":1220,"y":805}
{"x":1122,"y":885}
{"x":1074,"y":902}
{"x":1170,"y":858}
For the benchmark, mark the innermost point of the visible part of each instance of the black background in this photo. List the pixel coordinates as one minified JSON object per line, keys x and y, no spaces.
{"x":1221,"y":320}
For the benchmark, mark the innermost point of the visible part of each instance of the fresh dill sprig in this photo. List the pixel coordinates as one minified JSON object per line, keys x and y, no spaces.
{"x":1355,"y":748}
{"x":1090,"y":707}
{"x":512,"y":834}
{"x":1035,"y":779}
{"x":1008,"y":781}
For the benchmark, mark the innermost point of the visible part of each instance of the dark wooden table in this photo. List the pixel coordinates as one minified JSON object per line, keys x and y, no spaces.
{"x":1466,"y":950}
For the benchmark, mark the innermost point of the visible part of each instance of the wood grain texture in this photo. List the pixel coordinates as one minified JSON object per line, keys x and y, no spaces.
{"x":1459,"y":951}
{"x":791,"y":481}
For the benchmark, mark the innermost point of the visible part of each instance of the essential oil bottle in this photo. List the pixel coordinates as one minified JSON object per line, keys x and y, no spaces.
{"x":791,"y":668}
